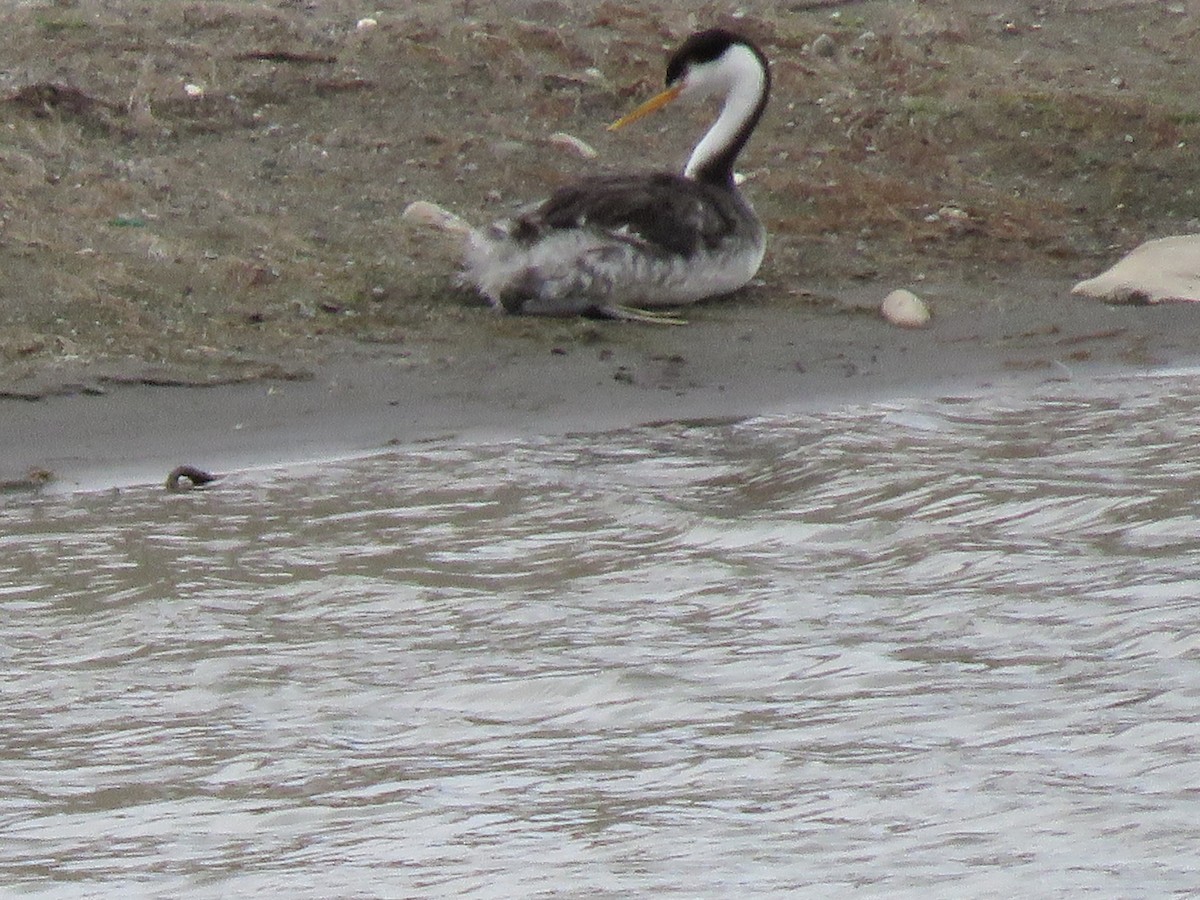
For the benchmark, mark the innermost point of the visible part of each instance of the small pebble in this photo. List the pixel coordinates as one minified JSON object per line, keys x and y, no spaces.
{"x":365,"y":25}
{"x":905,"y":309}
{"x":823,"y":46}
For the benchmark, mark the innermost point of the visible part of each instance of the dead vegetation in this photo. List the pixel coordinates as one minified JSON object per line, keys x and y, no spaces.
{"x":209,"y":187}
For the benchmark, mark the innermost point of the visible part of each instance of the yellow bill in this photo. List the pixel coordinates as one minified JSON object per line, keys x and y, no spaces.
{"x":658,"y":101}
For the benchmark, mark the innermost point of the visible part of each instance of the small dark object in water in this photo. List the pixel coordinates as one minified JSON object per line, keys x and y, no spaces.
{"x":184,"y":478}
{"x":35,"y":479}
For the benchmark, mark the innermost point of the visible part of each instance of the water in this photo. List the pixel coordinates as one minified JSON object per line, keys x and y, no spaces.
{"x":941,"y":648}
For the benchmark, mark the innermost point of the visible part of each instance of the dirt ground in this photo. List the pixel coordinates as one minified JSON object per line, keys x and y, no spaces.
{"x":211,"y":190}
{"x":203,"y":193}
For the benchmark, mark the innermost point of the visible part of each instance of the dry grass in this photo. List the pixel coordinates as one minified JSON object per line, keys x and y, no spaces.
{"x":257,"y":217}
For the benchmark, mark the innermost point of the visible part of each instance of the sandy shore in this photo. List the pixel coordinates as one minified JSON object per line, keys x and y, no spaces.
{"x":205,"y":192}
{"x":736,"y":359}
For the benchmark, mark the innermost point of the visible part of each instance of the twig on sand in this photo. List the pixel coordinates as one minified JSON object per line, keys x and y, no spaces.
{"x":802,"y":5}
{"x":287,"y":56}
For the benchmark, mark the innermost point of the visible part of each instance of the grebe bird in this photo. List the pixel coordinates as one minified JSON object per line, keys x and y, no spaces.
{"x":617,"y":245}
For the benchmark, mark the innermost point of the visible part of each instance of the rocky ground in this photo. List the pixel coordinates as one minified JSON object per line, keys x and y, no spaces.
{"x":199,"y":191}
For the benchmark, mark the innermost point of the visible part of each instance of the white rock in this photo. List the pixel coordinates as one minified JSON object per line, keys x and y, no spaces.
{"x":430,"y":215}
{"x":364,"y":25}
{"x":195,"y":91}
{"x":905,"y":309}
{"x":1163,"y":271}
{"x":572,"y":144}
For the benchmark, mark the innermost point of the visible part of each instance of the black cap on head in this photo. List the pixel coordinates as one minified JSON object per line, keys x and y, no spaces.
{"x":701,"y":47}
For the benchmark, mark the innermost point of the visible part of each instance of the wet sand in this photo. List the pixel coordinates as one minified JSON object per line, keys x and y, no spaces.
{"x":736,"y":359}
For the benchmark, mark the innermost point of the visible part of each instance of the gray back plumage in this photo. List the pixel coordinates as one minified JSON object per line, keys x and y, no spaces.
{"x":666,"y":213}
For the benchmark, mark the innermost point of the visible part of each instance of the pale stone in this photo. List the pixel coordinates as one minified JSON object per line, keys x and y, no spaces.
{"x":430,"y":215}
{"x":905,"y":309}
{"x":572,"y":144}
{"x":1166,"y":270}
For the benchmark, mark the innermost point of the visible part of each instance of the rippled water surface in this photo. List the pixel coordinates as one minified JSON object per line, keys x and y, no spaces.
{"x":947,"y":646}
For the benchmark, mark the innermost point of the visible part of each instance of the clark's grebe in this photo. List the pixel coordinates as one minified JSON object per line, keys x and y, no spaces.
{"x":616,"y":245}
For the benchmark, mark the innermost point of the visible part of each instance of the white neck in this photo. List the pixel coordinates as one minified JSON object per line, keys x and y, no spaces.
{"x":739,"y":75}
